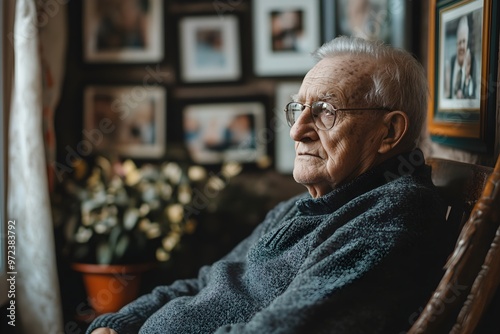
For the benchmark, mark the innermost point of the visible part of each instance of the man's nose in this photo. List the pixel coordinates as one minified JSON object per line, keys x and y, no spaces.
{"x":304,"y":126}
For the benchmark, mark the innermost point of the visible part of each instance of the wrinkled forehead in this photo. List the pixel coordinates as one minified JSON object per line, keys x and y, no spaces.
{"x":343,"y":80}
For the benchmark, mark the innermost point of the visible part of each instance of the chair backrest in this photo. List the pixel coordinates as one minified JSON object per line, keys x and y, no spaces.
{"x":461,"y":185}
{"x":473,"y":269}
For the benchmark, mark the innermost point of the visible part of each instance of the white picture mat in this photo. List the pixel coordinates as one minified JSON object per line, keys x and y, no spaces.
{"x":269,"y":63}
{"x":191,"y":71}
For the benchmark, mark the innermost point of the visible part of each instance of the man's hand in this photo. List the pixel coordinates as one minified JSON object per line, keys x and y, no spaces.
{"x":104,"y":330}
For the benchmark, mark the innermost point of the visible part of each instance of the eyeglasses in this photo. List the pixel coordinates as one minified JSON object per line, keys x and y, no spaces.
{"x":323,"y":113}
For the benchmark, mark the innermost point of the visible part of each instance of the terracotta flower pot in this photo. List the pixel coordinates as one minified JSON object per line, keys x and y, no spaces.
{"x":110,"y":287}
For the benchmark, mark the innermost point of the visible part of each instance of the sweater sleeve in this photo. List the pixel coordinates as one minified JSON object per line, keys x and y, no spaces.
{"x":132,"y":316}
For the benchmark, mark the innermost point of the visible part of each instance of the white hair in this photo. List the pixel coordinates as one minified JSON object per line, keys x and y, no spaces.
{"x":398,"y":80}
{"x":463,"y":23}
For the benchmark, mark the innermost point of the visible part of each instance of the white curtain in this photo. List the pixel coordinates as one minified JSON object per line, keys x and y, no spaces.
{"x":36,"y":82}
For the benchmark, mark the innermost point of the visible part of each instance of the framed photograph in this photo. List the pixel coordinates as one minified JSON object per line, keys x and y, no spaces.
{"x":122,"y":31}
{"x":285,"y":34}
{"x":462,"y":59}
{"x":219,"y":132}
{"x":209,"y":48}
{"x":125,"y":120}
{"x":284,"y":146}
{"x":385,"y":20}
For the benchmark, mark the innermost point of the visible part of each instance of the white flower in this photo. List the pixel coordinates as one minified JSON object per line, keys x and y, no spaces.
{"x":153,"y":231}
{"x":215,"y":183}
{"x":162,"y":255}
{"x":83,"y":234}
{"x":231,"y":169}
{"x":170,"y":241}
{"x":197,"y":173}
{"x":175,"y":213}
{"x":184,"y":193}
{"x":172,"y":172}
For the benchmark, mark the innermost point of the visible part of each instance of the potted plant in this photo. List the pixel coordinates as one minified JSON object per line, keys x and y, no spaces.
{"x":122,"y":219}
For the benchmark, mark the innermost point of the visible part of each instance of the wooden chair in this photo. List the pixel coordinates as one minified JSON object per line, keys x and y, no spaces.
{"x":461,"y":300}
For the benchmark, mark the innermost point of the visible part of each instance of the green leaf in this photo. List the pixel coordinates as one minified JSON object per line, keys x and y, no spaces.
{"x":130,"y":218}
{"x":104,"y":253}
{"x":121,"y":246}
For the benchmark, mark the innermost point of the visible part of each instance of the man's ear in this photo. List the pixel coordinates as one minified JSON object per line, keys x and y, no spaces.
{"x":396,"y":123}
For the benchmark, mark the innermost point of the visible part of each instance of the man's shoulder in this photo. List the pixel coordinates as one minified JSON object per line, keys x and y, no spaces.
{"x":409,"y":199}
{"x":410,"y":188}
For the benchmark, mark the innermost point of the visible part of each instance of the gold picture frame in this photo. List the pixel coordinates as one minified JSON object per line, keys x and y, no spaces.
{"x":462,"y":58}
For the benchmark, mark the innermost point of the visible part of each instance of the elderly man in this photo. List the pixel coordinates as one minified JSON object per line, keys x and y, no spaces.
{"x":355,"y":254}
{"x":460,"y":70}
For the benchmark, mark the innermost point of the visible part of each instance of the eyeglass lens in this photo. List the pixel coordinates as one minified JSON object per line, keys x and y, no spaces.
{"x":323,"y":114}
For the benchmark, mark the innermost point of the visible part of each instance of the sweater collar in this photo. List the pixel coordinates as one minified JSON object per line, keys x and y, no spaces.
{"x":408,"y":163}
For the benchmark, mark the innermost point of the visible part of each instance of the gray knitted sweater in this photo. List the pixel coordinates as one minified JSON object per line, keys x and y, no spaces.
{"x":361,"y":259}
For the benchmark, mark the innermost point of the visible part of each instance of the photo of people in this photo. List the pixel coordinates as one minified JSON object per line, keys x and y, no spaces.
{"x":215,"y":133}
{"x":460,"y":60}
{"x":102,"y":113}
{"x":132,"y":126}
{"x":209,"y":48}
{"x":139,"y":127}
{"x":122,"y":30}
{"x":287,"y":31}
{"x":122,"y":24}
{"x":368,"y":19}
{"x":123,"y":122}
{"x":468,"y":90}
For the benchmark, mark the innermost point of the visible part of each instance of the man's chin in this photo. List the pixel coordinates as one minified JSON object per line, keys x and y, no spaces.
{"x":302,"y":176}
{"x":297,"y":176}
